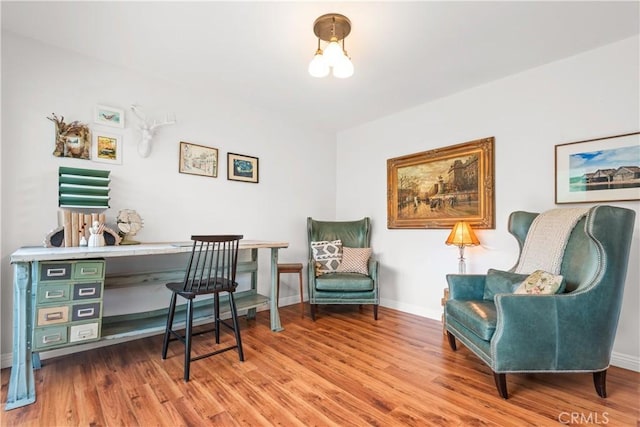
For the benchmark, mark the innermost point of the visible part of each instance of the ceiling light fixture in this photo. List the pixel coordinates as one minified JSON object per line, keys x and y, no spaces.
{"x":331,"y":28}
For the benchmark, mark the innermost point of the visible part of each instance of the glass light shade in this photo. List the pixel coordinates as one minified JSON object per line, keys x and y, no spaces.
{"x":333,"y":52}
{"x":318,"y":66}
{"x":344,"y":68}
{"x":462,"y":235}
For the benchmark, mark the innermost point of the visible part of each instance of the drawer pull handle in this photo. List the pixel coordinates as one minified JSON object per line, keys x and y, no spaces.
{"x":51,"y":338}
{"x":85,"y":270}
{"x":56,"y":272}
{"x":86,"y":333}
{"x":83,"y":292}
{"x":54,"y":294}
{"x":86,"y":312}
{"x":53,"y":316}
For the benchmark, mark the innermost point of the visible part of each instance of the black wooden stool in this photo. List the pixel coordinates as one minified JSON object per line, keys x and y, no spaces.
{"x":291,"y":268}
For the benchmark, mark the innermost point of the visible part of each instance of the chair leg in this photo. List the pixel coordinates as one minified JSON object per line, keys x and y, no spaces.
{"x":600,"y":381}
{"x":301,"y":295}
{"x":187,"y":339}
{"x":501,"y":384}
{"x":236,"y":326}
{"x":452,"y":341}
{"x":216,"y":309}
{"x":167,"y":331}
{"x":313,"y":312}
{"x":375,"y":312}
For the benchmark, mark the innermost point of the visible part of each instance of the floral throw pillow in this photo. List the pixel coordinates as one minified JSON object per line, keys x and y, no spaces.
{"x":327,"y":256}
{"x":541,"y":283}
{"x":355,"y":260}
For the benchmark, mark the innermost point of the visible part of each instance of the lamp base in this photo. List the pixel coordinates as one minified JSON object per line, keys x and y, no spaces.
{"x":332,"y":24}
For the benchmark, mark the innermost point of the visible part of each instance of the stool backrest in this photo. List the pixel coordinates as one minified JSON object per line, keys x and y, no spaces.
{"x":212,"y":264}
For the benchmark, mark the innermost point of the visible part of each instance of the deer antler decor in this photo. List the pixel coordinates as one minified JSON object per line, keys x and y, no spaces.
{"x":147,"y":130}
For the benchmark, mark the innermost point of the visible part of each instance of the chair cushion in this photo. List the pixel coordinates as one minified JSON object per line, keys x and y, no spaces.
{"x":344,"y":282}
{"x":542,"y":283}
{"x":477,"y":316}
{"x":501,"y":282}
{"x":327,"y":255}
{"x":355,"y":260}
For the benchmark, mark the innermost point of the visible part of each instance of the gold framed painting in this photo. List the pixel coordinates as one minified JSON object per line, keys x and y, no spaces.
{"x":437,"y":188}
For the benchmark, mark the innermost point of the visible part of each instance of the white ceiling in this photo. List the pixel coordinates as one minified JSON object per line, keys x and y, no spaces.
{"x":404,"y":53}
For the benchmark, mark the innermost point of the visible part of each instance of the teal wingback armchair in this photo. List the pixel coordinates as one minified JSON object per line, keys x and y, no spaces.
{"x":572,"y":331}
{"x":338,"y":287}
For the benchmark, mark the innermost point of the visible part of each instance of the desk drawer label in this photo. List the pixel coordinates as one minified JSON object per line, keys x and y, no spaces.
{"x":50,"y":337}
{"x":84,"y":332}
{"x":55,"y":271}
{"x":50,"y":293}
{"x":89,"y":270}
{"x":85,"y":311}
{"x":53,"y":315}
{"x":87,"y":290}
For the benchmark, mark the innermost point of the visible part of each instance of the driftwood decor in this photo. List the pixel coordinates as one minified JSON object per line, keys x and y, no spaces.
{"x":72,"y":139}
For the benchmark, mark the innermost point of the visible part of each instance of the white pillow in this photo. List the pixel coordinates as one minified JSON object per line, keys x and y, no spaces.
{"x":541,"y":283}
{"x":327,"y":256}
{"x":355,"y":260}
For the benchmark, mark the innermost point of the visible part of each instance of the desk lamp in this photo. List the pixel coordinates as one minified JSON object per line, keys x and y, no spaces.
{"x":462,"y":235}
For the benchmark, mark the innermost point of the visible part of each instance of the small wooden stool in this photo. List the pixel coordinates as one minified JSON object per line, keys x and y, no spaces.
{"x":291,"y":268}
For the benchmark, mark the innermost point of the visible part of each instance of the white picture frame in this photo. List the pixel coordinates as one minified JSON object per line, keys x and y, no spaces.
{"x":106,"y":147}
{"x":109,"y":116}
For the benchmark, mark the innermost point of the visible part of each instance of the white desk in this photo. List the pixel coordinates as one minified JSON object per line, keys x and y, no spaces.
{"x":25,"y":261}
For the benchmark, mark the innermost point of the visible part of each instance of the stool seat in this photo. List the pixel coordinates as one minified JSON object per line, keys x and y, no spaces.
{"x":291,"y":268}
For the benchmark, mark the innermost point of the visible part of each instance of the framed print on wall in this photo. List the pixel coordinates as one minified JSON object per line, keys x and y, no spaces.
{"x":242,"y":168}
{"x":437,"y":188}
{"x":198,"y":160}
{"x":106,"y":147}
{"x":598,"y":170}
{"x":109,"y":116}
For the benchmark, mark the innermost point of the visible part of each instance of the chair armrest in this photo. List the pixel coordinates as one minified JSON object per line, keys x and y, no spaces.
{"x":466,"y":286}
{"x":373,"y":269}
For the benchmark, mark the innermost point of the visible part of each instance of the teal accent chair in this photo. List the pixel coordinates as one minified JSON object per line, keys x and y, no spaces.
{"x":568,"y":332}
{"x":342,"y":288}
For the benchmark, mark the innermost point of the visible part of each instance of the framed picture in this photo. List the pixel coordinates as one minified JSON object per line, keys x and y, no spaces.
{"x":437,"y":188}
{"x":242,"y":168}
{"x":598,"y":170}
{"x":109,"y":116}
{"x":198,"y":160}
{"x":106,"y":147}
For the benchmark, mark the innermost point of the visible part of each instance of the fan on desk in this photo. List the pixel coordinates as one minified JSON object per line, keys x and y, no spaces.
{"x":129,"y":223}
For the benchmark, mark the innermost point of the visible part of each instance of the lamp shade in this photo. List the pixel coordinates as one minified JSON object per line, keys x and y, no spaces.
{"x":462,"y":235}
{"x":344,"y":68}
{"x":318,"y":66}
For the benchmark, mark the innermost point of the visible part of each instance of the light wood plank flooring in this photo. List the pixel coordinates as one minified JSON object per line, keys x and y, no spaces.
{"x":343,"y":370}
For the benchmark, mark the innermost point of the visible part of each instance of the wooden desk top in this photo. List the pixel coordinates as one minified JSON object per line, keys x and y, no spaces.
{"x":39,"y":253}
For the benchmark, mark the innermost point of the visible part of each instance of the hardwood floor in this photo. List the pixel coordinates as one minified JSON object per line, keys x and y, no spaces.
{"x":343,"y":370}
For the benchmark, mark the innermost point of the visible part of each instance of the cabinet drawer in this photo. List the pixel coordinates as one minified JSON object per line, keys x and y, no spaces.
{"x":87,"y":290}
{"x":55,"y":271}
{"x":88,"y":270}
{"x":50,"y":337}
{"x":51,"y":293}
{"x":53,"y":315}
{"x":85,"y":311}
{"x":84,"y":332}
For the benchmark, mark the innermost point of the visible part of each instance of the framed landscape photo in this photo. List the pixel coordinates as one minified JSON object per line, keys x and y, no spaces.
{"x":437,"y":188}
{"x":198,"y":160}
{"x":109,"y":116}
{"x":598,"y":170}
{"x":242,"y":168}
{"x":106,"y":147}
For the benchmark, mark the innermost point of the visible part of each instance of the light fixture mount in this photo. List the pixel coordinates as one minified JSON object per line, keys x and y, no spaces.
{"x":332,"y":24}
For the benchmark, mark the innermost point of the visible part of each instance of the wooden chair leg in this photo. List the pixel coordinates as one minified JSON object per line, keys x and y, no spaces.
{"x":187,"y":339}
{"x":375,"y":312}
{"x":167,"y":331}
{"x":301,"y":295}
{"x":501,"y":384}
{"x":452,"y":341}
{"x":216,"y":309}
{"x":600,"y":381}
{"x":236,"y":326}
{"x":313,"y":311}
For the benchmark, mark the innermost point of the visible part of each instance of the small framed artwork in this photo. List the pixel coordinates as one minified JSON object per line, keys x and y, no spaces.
{"x":598,"y":170}
{"x":106,"y":147}
{"x":242,"y":168}
{"x":109,"y":116}
{"x":198,"y":160}
{"x":437,"y":188}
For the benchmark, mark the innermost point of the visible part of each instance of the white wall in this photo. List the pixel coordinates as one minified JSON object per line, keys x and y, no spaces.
{"x":595,"y":94}
{"x":38,"y":80}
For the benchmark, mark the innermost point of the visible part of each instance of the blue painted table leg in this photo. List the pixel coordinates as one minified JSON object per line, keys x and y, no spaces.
{"x":251,"y":313}
{"x":22,"y":389}
{"x":273,"y":301}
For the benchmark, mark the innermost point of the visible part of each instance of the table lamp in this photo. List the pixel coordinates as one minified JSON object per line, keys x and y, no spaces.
{"x":462,"y":235}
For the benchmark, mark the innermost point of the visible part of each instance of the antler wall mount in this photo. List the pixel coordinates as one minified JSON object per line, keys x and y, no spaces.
{"x":147,"y":131}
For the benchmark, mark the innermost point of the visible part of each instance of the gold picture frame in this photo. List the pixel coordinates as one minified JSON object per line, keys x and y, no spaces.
{"x":437,"y":188}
